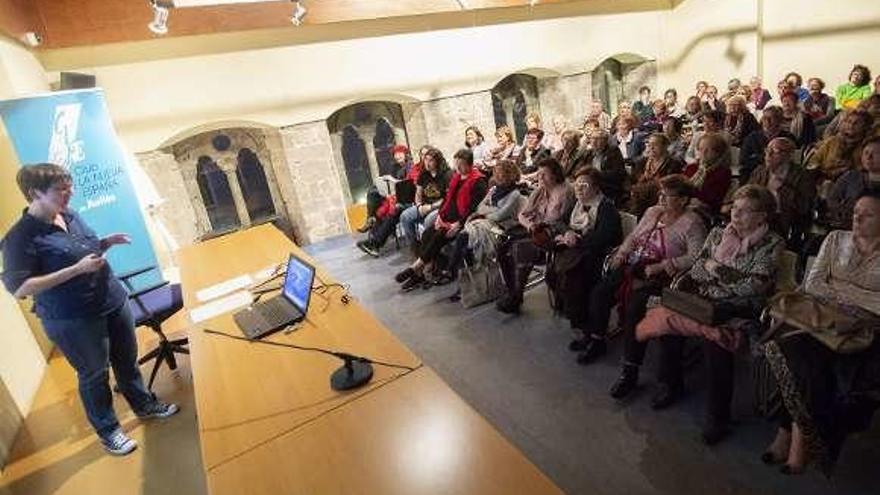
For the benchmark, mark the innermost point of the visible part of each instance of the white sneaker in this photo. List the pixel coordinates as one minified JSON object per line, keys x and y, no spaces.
{"x":158,"y":409}
{"x":118,"y":443}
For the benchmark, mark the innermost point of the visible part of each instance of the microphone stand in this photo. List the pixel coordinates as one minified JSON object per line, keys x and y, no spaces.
{"x":356,"y":371}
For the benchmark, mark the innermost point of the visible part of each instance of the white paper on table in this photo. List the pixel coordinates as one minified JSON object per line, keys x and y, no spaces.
{"x":219,"y":306}
{"x":224,"y":288}
{"x":265,"y":273}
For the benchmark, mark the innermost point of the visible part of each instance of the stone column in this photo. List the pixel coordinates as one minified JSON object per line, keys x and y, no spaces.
{"x":228,"y":166}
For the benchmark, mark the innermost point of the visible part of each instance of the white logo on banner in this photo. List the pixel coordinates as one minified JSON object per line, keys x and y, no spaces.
{"x":64,"y":147}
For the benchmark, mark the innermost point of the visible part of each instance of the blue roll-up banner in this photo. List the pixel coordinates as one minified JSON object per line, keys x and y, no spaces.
{"x":73,"y":129}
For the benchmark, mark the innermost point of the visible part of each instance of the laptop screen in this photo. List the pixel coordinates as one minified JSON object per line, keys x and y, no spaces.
{"x":298,"y":282}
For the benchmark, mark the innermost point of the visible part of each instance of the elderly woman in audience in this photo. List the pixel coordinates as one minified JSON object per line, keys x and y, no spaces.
{"x":840,"y":153}
{"x":466,"y":189}
{"x":627,"y":139}
{"x":751,"y":154}
{"x":664,"y":244}
{"x":736,"y":271}
{"x":382,"y":219}
{"x":760,"y":95}
{"x":713,"y":122}
{"x":819,"y":105}
{"x":591,"y":127}
{"x":609,"y":162}
{"x":646,"y":171}
{"x":793,"y":187}
{"x":544,"y":215}
{"x":478,"y":239}
{"x":857,"y":88}
{"x":642,"y":107}
{"x":570,"y":156}
{"x":430,"y":190}
{"x":739,"y":121}
{"x":624,"y":110}
{"x":593,"y":230}
{"x":828,"y":395}
{"x":712,"y":102}
{"x":796,"y":121}
{"x":506,"y":149}
{"x":711,"y":176}
{"x":849,"y":186}
{"x":474,"y":141}
{"x":672,"y":129}
{"x":532,"y":153}
{"x":700,"y":89}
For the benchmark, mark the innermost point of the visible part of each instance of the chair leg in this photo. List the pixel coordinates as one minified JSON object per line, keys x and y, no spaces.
{"x":150,"y":355}
{"x":154,"y":372}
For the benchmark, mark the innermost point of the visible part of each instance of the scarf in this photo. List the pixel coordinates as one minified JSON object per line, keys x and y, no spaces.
{"x":499,"y":193}
{"x":732,"y":245}
{"x":699,"y":176}
{"x":797,"y":125}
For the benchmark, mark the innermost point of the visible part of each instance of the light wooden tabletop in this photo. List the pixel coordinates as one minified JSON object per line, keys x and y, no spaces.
{"x":269,"y":422}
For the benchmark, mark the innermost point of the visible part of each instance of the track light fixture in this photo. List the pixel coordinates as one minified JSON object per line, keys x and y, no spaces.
{"x":299,"y":12}
{"x":159,"y":25}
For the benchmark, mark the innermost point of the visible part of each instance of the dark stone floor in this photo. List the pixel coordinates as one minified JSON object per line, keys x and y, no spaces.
{"x":517,"y":372}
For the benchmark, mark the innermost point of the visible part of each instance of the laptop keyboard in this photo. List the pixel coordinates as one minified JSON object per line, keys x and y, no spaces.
{"x":276,"y":312}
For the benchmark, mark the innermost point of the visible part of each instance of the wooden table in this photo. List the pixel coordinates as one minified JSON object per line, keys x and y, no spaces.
{"x":269,"y":422}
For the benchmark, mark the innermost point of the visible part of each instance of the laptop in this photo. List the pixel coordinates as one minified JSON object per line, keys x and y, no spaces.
{"x":269,"y":316}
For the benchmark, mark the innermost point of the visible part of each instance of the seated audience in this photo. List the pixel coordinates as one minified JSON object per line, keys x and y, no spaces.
{"x":732,"y":88}
{"x":466,"y":190}
{"x":828,"y":395}
{"x":531,"y":154}
{"x":590,"y":128}
{"x":739,"y":122}
{"x":478,"y":239}
{"x":751,"y":154}
{"x":711,"y":102}
{"x":713,"y":121}
{"x":642,"y":107}
{"x":544,"y":215}
{"x":736,"y":270}
{"x":700,"y":89}
{"x":819,"y":105}
{"x":647,"y":170}
{"x":670,"y":97}
{"x":664,"y":243}
{"x":593,"y":230}
{"x":431,"y":188}
{"x":852,"y":184}
{"x":796,"y":121}
{"x":506,"y":149}
{"x":655,"y":122}
{"x":795,"y":83}
{"x":533,"y":121}
{"x":793,"y":187}
{"x":570,"y":156}
{"x":760,"y":95}
{"x":711,"y":176}
{"x":598,"y":114}
{"x":383,"y":212}
{"x":609,"y":162}
{"x":474,"y":141}
{"x":842,"y":152}
{"x":624,"y":110}
{"x":857,"y":88}
{"x":693,"y":112}
{"x":672,"y":128}
{"x":553,"y":139}
{"x":627,"y":139}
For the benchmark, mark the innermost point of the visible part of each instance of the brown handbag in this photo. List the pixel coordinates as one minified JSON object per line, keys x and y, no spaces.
{"x":840,"y":331}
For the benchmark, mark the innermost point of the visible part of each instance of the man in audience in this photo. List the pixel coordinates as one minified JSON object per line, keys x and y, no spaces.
{"x":711,"y":101}
{"x":642,"y":107}
{"x":752,"y":152}
{"x":655,"y":122}
{"x":852,"y":184}
{"x":609,"y":162}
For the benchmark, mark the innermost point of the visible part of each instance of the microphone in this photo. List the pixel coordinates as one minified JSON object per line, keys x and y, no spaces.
{"x":356,"y":371}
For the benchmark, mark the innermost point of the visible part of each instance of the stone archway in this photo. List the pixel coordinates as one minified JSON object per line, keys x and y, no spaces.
{"x":619,"y":77}
{"x":514,"y":98}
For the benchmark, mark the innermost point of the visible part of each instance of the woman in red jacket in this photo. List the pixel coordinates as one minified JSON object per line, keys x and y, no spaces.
{"x":711,"y":175}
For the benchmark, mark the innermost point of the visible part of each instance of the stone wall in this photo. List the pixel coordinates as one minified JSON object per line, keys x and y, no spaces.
{"x":315,"y":180}
{"x":568,"y":96}
{"x":447,"y":118}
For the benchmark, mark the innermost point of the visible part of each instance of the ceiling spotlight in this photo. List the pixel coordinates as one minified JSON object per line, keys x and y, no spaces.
{"x":160,"y":18}
{"x":299,"y":13}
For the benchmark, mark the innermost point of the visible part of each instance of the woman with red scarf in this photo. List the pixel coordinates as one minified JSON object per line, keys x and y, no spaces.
{"x":466,"y":190}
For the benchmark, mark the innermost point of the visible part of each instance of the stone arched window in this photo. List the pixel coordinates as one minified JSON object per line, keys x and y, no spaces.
{"x":357,"y":165}
{"x":618,"y":78}
{"x":383,"y":142}
{"x":514,"y":98}
{"x":254,"y":186}
{"x":216,"y":195}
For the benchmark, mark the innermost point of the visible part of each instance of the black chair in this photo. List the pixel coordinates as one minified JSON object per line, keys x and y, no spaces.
{"x":151,"y":306}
